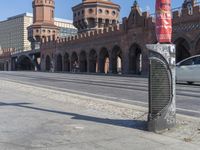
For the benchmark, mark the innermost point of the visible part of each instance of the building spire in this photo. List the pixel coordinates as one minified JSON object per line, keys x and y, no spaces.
{"x":135,"y":4}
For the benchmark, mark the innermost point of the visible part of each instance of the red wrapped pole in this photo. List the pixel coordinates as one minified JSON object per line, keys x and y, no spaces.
{"x":163,"y":21}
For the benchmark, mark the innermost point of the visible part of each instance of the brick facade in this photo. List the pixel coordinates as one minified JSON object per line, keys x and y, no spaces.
{"x":91,"y":50}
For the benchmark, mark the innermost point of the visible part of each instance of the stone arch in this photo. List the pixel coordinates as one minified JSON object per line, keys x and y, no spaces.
{"x":104,"y":61}
{"x":93,"y":63}
{"x":59,"y":63}
{"x":83,"y":61}
{"x":91,"y":22}
{"x":135,"y":59}
{"x":182,"y":49}
{"x":116,"y":60}
{"x":25,"y":63}
{"x":48,"y":63}
{"x":197,"y":46}
{"x":7,"y":66}
{"x":66,"y":62}
{"x":1,"y":66}
{"x":74,"y":62}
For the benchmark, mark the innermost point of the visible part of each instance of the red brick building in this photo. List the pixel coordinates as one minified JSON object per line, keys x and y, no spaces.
{"x":5,"y":59}
{"x":105,"y":46}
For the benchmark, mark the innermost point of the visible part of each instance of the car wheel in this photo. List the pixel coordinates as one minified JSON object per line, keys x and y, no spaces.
{"x":190,"y":83}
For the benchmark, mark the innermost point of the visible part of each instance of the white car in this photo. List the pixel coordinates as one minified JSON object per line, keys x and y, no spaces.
{"x":188,"y":70}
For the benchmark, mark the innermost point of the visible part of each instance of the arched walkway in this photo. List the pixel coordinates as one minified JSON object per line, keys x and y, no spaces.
{"x":1,"y":66}
{"x":48,"y":63}
{"x":135,"y":59}
{"x":59,"y":63}
{"x":83,"y":62}
{"x":66,"y":62}
{"x":197,"y":48}
{"x":104,"y":61}
{"x":182,"y":49}
{"x":25,"y":63}
{"x":93,"y":64}
{"x":74,"y":62}
{"x":116,"y":60}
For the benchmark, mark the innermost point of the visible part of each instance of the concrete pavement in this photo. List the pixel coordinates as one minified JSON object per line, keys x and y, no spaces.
{"x":40,"y":118}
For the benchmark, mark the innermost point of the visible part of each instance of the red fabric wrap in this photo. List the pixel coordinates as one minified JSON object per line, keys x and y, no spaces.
{"x":163,"y":21}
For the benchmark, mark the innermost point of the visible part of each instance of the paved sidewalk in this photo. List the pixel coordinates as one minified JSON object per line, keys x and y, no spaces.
{"x":36,"y":118}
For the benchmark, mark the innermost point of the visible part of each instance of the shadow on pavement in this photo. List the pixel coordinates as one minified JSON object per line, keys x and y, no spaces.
{"x":136,"y":124}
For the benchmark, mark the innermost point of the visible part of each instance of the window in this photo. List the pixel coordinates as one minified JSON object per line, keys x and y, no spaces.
{"x":190,"y":9}
{"x":188,"y":62}
{"x":197,"y":61}
{"x":113,"y":13}
{"x":90,"y":11}
{"x":52,"y":14}
{"x":100,"y":11}
{"x":107,"y":12}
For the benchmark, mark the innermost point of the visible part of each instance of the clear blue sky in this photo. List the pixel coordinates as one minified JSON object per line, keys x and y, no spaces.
{"x":10,"y":8}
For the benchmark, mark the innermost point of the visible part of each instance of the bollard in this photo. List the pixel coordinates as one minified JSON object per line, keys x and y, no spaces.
{"x":162,"y":105}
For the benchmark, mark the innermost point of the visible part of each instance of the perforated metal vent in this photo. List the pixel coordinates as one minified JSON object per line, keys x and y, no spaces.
{"x":160,"y":89}
{"x":162,"y":107}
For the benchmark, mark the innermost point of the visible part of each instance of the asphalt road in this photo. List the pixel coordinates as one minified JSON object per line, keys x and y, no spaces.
{"x":131,"y":90}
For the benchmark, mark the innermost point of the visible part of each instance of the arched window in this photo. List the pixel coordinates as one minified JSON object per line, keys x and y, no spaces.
{"x":52,"y":13}
{"x":190,"y":8}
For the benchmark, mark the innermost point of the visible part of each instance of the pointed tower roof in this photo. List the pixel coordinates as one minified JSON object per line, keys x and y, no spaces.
{"x":135,"y":4}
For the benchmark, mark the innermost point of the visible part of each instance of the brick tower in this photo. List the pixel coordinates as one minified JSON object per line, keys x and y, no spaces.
{"x":95,"y":14}
{"x":43,"y":27}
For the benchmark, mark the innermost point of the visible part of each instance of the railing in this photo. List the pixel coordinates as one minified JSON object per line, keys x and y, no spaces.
{"x":17,"y":51}
{"x":20,"y":51}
